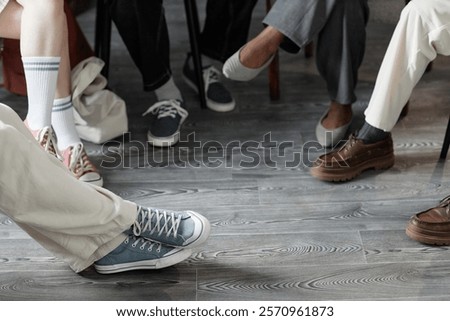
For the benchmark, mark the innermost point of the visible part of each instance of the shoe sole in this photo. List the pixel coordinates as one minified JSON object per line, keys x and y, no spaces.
{"x":427,"y":236}
{"x":163,"y":141}
{"x":164,"y":262}
{"x":220,"y":108}
{"x":345,"y":174}
{"x":98,"y":182}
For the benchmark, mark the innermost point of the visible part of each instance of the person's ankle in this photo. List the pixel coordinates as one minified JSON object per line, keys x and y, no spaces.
{"x":260,"y":49}
{"x":338,"y":115}
{"x":253,"y":59}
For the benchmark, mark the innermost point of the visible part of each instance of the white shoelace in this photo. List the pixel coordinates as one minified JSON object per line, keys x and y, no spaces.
{"x":47,"y":140}
{"x":144,"y":243}
{"x":79,"y":162}
{"x":167,"y":108}
{"x":446,"y":204}
{"x":210,"y":75}
{"x":167,"y":223}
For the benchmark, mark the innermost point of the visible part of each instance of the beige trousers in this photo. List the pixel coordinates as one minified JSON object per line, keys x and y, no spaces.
{"x":422,"y":33}
{"x":77,"y":222}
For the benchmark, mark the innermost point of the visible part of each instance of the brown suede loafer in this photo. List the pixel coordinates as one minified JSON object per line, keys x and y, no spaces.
{"x":431,"y":226}
{"x":353,"y":158}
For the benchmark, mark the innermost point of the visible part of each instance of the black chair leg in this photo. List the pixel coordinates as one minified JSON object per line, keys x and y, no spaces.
{"x":103,"y":26}
{"x":446,"y":143}
{"x":194,"y":35}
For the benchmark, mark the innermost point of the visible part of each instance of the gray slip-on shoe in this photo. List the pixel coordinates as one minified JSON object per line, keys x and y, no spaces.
{"x":330,"y":137}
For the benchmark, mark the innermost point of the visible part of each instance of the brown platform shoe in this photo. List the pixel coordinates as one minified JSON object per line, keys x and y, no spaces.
{"x":431,"y":226}
{"x":353,"y":158}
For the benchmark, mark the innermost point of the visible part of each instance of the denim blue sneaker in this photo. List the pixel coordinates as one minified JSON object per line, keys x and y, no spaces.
{"x":137,"y":253}
{"x":185,"y":229}
{"x":165,"y":126}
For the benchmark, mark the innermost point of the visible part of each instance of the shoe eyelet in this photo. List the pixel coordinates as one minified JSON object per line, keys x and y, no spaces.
{"x":133,"y":245}
{"x":142,"y":248}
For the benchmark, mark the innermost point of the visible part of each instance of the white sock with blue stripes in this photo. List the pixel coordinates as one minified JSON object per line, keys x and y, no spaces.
{"x":63,"y":123}
{"x":41,"y":74}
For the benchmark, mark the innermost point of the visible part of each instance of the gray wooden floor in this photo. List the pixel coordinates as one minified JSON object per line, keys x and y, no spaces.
{"x":277,"y":233}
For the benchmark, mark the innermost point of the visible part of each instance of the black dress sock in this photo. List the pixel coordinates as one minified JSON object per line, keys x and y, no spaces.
{"x":369,"y":134}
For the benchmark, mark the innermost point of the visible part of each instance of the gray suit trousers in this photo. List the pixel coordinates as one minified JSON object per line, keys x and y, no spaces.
{"x":338,"y":26}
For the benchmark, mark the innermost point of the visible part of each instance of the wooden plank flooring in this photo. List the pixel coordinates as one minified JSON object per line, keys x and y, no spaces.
{"x":277,"y":233}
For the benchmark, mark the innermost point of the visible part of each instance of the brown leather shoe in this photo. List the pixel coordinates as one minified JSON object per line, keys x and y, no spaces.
{"x":353,"y":158}
{"x":431,"y":226}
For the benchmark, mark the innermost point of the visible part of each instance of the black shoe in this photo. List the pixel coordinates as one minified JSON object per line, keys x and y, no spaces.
{"x":218,"y":98}
{"x":165,"y":127}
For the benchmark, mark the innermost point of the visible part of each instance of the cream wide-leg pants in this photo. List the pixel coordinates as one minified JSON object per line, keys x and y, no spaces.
{"x":422,"y":33}
{"x":77,"y":222}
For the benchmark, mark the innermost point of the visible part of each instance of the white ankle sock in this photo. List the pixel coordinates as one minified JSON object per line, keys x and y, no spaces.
{"x":63,"y":123}
{"x":168,"y":91}
{"x":41,"y":74}
{"x":235,"y":70}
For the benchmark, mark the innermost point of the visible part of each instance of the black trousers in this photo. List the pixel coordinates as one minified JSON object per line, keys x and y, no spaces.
{"x":143,"y":28}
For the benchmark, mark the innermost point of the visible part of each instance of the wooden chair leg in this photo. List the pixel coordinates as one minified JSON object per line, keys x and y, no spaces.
{"x":194,"y":36}
{"x":274,"y":68}
{"x":446,"y":143}
{"x":274,"y":78}
{"x":103,"y":26}
{"x":309,"y":50}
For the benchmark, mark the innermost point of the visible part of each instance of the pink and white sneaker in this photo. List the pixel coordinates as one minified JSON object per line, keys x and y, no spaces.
{"x":77,"y":161}
{"x":46,"y":139}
